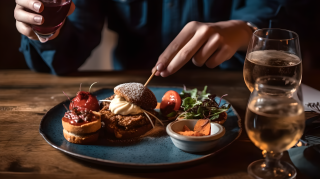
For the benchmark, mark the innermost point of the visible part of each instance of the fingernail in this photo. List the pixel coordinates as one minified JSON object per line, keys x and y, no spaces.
{"x":160,"y":67}
{"x":37,"y":6}
{"x":38,"y":19}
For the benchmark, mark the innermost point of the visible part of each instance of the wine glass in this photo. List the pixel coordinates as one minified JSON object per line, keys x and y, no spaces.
{"x":274,"y":122}
{"x":272,"y":52}
{"x":54,"y":13}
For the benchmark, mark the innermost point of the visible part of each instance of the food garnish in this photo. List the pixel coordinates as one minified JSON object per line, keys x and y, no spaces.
{"x":81,"y":107}
{"x":185,"y":128}
{"x":202,"y":128}
{"x":85,"y":101}
{"x":201,"y":105}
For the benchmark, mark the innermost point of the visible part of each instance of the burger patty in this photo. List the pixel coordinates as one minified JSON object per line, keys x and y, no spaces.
{"x":125,"y":121}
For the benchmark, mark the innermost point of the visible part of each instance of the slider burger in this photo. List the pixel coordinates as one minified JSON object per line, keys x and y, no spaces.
{"x":82,"y":122}
{"x":129,"y":113}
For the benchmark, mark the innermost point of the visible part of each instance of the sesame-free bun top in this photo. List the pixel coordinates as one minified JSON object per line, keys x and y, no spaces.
{"x":137,"y":94}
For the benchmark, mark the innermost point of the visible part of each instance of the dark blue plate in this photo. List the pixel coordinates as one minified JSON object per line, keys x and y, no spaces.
{"x":149,"y":152}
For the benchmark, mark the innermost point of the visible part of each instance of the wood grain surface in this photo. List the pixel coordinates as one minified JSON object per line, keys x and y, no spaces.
{"x":25,"y":96}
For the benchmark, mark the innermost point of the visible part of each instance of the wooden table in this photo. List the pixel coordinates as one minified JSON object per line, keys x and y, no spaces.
{"x":25,"y":96}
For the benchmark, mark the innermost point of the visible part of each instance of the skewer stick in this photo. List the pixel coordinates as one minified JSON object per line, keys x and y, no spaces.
{"x":150,"y":78}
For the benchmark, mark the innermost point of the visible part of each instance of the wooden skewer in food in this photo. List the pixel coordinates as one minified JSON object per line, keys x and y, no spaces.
{"x":150,"y":78}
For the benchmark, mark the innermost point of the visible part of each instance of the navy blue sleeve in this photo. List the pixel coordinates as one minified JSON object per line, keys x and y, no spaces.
{"x":259,"y":12}
{"x":80,"y":34}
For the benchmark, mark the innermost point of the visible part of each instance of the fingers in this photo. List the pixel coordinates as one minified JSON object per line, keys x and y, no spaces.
{"x":175,"y":46}
{"x":207,"y":43}
{"x":33,"y":5}
{"x":202,"y":55}
{"x":23,"y":16}
{"x":223,"y":54}
{"x":185,"y":54}
{"x":201,"y":37}
{"x":26,"y":30}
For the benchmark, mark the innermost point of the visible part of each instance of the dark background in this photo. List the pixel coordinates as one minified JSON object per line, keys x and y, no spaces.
{"x":302,"y":17}
{"x":10,"y":57}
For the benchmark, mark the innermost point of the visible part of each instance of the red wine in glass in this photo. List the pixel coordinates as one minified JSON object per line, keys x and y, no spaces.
{"x":54,"y":13}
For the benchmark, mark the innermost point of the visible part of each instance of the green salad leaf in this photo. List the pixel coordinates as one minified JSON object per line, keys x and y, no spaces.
{"x":201,"y":105}
{"x":172,"y":114}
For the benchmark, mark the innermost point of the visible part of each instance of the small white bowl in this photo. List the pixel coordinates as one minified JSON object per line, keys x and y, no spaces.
{"x":194,"y":144}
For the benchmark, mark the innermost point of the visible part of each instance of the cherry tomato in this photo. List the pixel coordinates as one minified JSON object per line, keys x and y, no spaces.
{"x":171,"y":101}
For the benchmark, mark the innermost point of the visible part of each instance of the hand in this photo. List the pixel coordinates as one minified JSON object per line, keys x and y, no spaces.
{"x":24,"y":18}
{"x":204,"y":43}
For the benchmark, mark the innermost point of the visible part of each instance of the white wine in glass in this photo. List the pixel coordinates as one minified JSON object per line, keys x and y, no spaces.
{"x":272,"y":52}
{"x":274,"y":122}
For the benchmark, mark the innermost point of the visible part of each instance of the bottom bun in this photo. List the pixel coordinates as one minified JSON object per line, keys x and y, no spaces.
{"x":131,"y":133}
{"x":80,"y":139}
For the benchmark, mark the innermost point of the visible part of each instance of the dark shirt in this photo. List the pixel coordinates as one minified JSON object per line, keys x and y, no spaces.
{"x":144,"y":27}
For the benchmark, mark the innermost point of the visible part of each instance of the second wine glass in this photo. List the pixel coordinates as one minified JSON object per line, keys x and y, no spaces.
{"x":274,"y":122}
{"x":272,"y":52}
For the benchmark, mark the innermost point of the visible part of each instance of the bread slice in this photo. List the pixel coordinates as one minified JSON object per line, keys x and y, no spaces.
{"x":137,"y":94}
{"x":82,"y":134}
{"x":80,"y":138}
{"x":86,"y":128}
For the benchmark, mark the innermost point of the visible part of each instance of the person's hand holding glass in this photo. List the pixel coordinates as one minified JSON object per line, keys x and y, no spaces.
{"x":41,"y":19}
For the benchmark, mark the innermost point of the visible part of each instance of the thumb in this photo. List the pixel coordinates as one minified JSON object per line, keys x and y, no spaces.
{"x":159,"y":67}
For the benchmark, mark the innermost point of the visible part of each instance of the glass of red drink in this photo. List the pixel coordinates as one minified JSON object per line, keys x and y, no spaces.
{"x":54,"y":13}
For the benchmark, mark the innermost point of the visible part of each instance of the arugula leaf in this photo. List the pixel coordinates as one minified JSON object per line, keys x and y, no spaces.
{"x":193,"y":93}
{"x":198,"y":115}
{"x":204,"y":91}
{"x":216,"y":116}
{"x":217,"y":110}
{"x":200,"y":110}
{"x":197,"y":103}
{"x":172,"y":114}
{"x":189,"y":116}
{"x":204,"y":95}
{"x":187,"y":103}
{"x":200,"y":104}
{"x":189,"y":93}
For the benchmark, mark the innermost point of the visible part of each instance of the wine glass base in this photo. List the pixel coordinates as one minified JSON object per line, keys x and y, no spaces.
{"x":258,"y":170}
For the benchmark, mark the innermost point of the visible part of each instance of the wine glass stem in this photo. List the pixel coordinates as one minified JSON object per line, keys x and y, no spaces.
{"x":272,"y":160}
